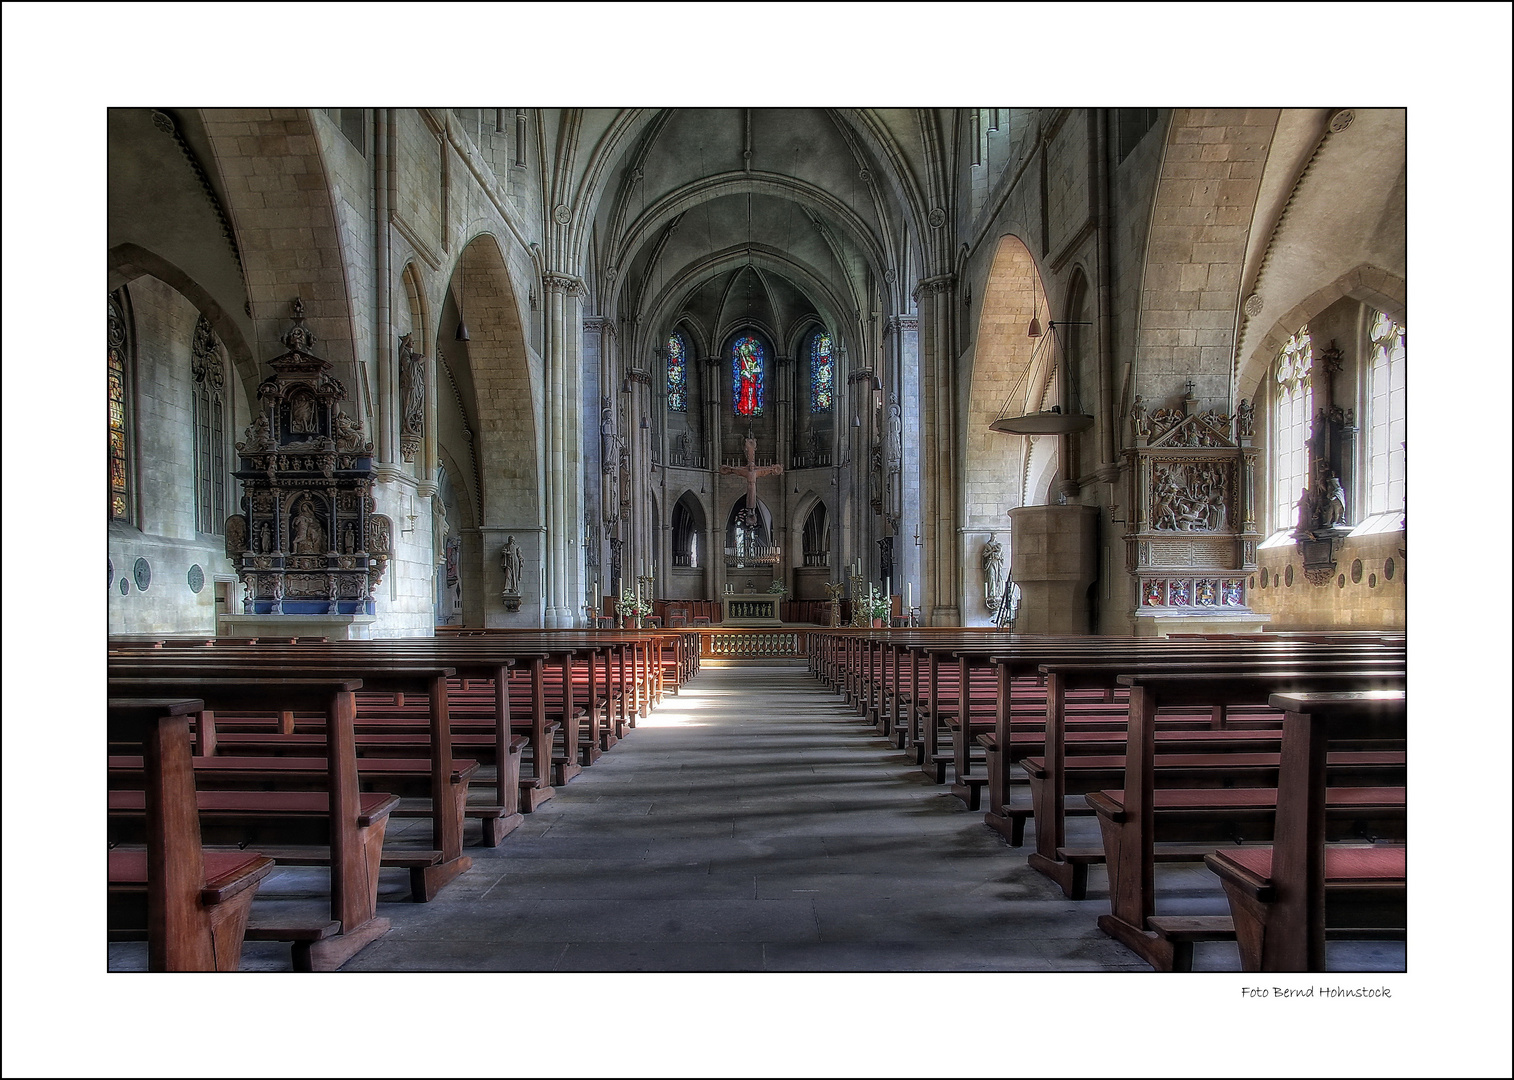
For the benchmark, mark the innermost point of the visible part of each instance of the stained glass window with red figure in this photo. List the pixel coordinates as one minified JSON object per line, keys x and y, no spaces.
{"x":748,"y":369}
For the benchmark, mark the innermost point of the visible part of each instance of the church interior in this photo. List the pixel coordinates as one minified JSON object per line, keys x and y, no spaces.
{"x":741,"y":486}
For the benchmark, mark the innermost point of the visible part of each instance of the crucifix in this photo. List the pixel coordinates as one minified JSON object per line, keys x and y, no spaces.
{"x":751,"y":471}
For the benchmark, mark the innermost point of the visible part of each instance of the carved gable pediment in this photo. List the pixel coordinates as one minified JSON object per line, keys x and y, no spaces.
{"x":1206,"y":429}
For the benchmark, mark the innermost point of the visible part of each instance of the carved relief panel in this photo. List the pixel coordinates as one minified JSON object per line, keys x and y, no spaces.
{"x":1191,"y":538}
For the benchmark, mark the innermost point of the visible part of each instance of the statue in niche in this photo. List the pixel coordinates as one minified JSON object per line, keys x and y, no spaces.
{"x":265,"y":538}
{"x":1305,"y":511}
{"x":608,"y":455}
{"x":302,"y":415}
{"x":438,"y":529}
{"x":1245,"y":419}
{"x":236,"y":536}
{"x":817,"y":442}
{"x":380,"y":534}
{"x":1138,"y":422}
{"x":512,"y":561}
{"x":993,"y":562}
{"x":1333,"y":510}
{"x":893,"y":442}
{"x":349,"y":433}
{"x":307,"y":534}
{"x":349,"y":539}
{"x":258,"y":438}
{"x":412,"y":388}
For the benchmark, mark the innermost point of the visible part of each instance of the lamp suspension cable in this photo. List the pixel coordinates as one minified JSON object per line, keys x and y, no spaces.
{"x":462,"y":326}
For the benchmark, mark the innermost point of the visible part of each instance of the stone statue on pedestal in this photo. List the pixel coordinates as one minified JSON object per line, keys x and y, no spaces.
{"x":512,"y":562}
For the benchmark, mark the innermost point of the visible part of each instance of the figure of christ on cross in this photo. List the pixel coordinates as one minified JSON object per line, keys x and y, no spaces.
{"x":751,"y":471}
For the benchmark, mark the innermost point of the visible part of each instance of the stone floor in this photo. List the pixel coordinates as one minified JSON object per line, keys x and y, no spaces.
{"x":751,"y":823}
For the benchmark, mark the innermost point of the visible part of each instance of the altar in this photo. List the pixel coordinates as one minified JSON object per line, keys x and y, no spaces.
{"x":750,"y":610}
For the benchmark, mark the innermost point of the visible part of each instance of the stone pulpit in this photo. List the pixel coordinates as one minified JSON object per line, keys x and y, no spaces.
{"x":307,"y":543}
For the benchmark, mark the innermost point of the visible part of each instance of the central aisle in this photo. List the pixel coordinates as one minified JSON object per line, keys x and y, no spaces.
{"x":749,"y":824}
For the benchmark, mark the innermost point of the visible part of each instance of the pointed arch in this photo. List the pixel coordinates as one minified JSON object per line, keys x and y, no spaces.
{"x":1008,"y":373}
{"x":506,"y":381}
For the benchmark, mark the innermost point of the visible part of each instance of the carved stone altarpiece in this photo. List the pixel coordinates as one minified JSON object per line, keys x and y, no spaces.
{"x":1192,"y":539}
{"x":307,"y":541}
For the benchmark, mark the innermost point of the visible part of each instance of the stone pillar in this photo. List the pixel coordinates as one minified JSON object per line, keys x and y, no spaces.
{"x":1054,"y":560}
{"x":561,"y":332}
{"x":385,"y":422}
{"x":787,"y":408}
{"x":713,"y":372}
{"x":939,"y":479}
{"x":427,"y":485}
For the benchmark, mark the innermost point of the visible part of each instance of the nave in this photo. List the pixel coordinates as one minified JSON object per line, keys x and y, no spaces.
{"x":753,"y":823}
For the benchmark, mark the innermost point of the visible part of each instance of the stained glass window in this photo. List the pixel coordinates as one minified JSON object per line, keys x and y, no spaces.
{"x":116,"y":382}
{"x":748,"y":371}
{"x":1292,"y":406}
{"x":678,"y":373}
{"x":822,"y":374}
{"x":1385,"y":432}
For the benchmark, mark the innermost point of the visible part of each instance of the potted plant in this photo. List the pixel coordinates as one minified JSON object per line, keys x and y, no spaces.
{"x":877,"y":606}
{"x":630,"y":606}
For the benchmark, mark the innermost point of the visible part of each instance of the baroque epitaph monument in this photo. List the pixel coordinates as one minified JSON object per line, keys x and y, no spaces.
{"x":307,"y":541}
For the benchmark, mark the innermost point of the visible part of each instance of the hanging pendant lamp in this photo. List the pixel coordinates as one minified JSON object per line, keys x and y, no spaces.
{"x":1051,"y":421}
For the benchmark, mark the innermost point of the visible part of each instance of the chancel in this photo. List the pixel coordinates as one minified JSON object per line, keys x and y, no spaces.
{"x":499,"y":490}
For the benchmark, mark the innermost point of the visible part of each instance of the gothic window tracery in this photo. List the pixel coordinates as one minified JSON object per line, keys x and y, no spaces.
{"x":678,"y":373}
{"x":1292,"y":406}
{"x":1385,"y":433}
{"x":748,"y":375}
{"x":822,"y":374}
{"x":118,"y":346}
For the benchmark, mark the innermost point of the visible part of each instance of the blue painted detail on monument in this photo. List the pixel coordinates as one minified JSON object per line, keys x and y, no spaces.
{"x":308,"y":607}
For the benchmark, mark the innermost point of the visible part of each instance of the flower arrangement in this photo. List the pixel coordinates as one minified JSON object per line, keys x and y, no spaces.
{"x":876,"y":604}
{"x":633,"y":607}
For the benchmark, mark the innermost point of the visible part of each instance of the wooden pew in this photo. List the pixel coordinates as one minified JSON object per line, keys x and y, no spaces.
{"x":1284,"y":898}
{"x":192,"y":908}
{"x":1101,"y":668}
{"x":1134,"y":819}
{"x":349,"y":824}
{"x":429,"y":873}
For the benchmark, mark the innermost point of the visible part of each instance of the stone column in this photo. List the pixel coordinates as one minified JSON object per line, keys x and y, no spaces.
{"x":940,"y":483}
{"x":787,"y":408}
{"x":561,"y":331}
{"x":385,"y":422}
{"x":713,"y":373}
{"x":429,"y":456}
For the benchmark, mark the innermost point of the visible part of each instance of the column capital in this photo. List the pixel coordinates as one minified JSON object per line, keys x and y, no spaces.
{"x":938,"y":282}
{"x":898,"y":324}
{"x":564,"y":283}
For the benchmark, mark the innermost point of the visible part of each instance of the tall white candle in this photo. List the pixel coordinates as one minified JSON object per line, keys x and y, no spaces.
{"x":909,"y":595}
